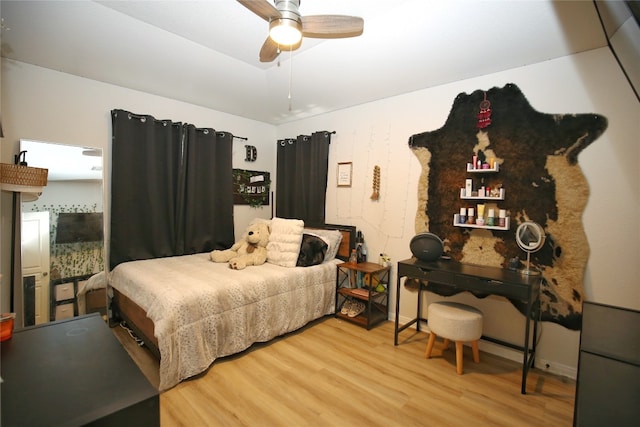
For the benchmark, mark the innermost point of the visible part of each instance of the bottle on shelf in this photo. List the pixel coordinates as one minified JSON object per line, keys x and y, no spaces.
{"x":361,"y":251}
{"x":491,"y":218}
{"x":353,"y":258}
{"x":502,"y":220}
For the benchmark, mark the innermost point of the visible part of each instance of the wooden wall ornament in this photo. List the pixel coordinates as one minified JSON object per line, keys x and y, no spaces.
{"x":376,"y":183}
{"x":538,"y":157}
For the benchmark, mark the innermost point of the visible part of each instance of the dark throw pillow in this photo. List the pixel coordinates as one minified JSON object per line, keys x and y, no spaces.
{"x":312,"y":251}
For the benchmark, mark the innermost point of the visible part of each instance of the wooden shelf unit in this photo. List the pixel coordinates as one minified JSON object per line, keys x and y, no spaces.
{"x":358,"y":281}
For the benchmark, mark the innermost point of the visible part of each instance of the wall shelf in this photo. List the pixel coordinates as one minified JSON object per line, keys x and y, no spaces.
{"x":465,"y":197}
{"x":466,"y":194}
{"x":456,"y":223}
{"x":496,"y":168}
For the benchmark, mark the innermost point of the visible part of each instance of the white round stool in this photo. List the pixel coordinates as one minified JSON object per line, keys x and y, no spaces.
{"x":456,"y":322}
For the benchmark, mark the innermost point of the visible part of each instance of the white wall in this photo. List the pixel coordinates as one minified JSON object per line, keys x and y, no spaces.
{"x":377,"y":134}
{"x":40,"y":104}
{"x":49,"y":106}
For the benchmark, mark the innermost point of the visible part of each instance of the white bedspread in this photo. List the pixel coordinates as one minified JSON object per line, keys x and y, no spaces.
{"x":203,"y":310}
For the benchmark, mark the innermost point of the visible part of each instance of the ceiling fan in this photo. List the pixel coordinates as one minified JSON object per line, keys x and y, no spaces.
{"x":287,"y":26}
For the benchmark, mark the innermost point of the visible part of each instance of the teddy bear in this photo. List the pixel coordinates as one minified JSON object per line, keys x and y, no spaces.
{"x":250,"y":250}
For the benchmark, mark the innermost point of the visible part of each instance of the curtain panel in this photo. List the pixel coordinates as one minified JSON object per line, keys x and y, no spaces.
{"x":171,"y":188}
{"x":208,"y":197}
{"x":302,"y":165}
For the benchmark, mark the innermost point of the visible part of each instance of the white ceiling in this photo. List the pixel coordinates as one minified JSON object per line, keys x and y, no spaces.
{"x":64,"y":162}
{"x":206,"y":52}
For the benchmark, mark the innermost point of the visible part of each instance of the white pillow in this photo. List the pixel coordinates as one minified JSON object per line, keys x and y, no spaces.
{"x":284,"y":241}
{"x":259,"y":220}
{"x":332,"y":237}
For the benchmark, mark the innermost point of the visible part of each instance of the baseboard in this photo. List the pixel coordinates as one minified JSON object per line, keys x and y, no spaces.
{"x":511,"y":354}
{"x":557,"y":368}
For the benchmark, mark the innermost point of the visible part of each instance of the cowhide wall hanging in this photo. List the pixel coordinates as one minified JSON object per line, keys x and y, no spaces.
{"x":537,"y":155}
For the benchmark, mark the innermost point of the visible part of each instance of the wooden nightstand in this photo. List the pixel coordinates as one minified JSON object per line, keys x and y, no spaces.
{"x":364,"y":282}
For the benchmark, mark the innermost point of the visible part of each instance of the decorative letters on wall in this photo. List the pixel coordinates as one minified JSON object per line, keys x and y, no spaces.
{"x":539,"y":170}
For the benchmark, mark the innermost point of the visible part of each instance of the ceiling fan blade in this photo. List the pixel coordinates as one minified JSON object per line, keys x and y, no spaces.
{"x":331,"y":26}
{"x":269,"y":50}
{"x":262,"y":8}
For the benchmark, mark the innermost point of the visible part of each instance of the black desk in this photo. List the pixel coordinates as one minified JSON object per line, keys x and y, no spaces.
{"x":481,"y":280}
{"x":71,"y":373}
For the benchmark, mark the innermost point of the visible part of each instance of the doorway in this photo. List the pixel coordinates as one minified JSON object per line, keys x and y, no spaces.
{"x":35,"y":267}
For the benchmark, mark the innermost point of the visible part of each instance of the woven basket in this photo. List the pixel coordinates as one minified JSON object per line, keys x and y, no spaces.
{"x":23,"y":175}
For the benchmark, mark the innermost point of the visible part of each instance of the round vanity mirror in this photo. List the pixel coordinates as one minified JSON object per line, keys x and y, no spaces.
{"x":530,"y":238}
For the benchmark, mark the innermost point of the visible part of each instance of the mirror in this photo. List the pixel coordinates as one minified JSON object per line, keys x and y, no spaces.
{"x":62,"y":235}
{"x":530,"y":238}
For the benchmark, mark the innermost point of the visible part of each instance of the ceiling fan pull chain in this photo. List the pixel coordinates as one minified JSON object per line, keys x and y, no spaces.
{"x":290,"y":75}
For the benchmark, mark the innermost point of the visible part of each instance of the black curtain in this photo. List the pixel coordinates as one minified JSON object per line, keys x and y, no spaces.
{"x":208,"y":217}
{"x":302,"y":165}
{"x":170,"y":188}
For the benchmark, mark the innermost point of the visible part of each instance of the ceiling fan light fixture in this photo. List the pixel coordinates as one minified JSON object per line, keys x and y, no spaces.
{"x":285,"y":31}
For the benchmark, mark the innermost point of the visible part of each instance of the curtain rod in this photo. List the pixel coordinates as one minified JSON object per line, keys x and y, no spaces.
{"x":234,"y":137}
{"x":141,"y":116}
{"x":282,"y":142}
{"x":293,"y":139}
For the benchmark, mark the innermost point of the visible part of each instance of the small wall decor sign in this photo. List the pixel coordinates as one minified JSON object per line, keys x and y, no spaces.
{"x":344,"y":174}
{"x":251,"y":187}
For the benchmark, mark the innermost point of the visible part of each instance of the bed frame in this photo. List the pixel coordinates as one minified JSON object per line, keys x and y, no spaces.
{"x":136,"y":318}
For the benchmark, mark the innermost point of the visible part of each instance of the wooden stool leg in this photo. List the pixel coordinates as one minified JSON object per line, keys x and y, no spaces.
{"x":476,"y":353}
{"x":446,"y":344}
{"x":432,"y":339}
{"x":459,"y":355}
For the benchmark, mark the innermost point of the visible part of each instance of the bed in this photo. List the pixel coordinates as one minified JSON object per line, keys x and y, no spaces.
{"x":190,"y":311}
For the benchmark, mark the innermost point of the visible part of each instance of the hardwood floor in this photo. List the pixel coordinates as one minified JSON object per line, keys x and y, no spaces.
{"x":334,"y":373}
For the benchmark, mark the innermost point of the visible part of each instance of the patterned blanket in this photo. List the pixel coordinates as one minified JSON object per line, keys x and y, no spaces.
{"x":204,"y":310}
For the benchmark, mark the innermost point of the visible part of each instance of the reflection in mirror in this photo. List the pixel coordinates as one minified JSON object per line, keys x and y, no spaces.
{"x":62,"y":235}
{"x":530,"y":237}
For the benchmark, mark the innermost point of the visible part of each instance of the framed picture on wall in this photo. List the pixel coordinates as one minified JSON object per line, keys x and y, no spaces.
{"x":344,"y":174}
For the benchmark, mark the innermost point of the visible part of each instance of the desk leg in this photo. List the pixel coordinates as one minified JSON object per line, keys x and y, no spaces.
{"x":419,"y":310}
{"x":536,"y":316}
{"x":418,"y":318}
{"x":395,"y":336}
{"x":526,"y":359}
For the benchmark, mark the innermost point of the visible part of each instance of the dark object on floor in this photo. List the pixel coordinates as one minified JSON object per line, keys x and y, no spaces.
{"x":99,"y":384}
